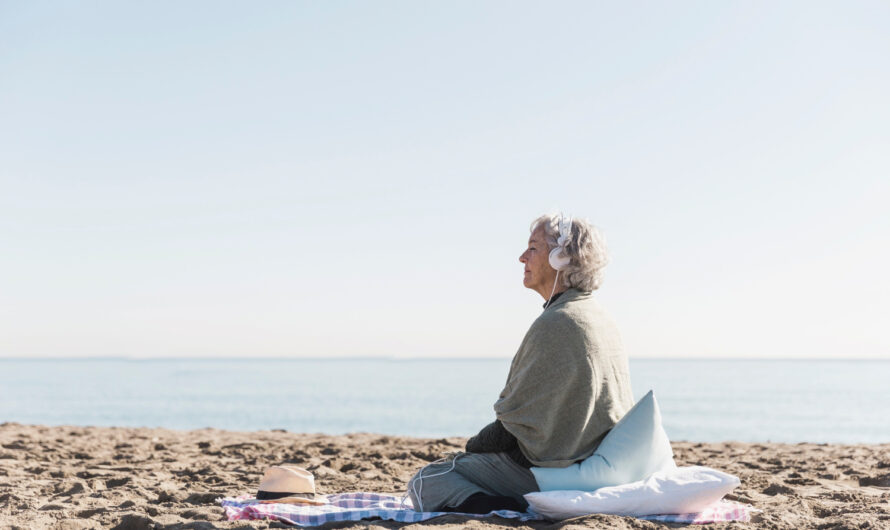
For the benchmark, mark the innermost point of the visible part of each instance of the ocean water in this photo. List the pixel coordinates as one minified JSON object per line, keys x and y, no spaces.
{"x":701,"y":400}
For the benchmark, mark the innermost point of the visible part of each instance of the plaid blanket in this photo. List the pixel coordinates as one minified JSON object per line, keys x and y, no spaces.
{"x":358,"y":506}
{"x":719,"y":512}
{"x":344,"y":507}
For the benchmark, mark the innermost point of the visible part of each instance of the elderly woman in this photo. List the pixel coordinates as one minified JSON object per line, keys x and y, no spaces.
{"x":568,"y":383}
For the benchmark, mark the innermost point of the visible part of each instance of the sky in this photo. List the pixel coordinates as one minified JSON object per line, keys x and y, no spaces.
{"x":350,"y":179}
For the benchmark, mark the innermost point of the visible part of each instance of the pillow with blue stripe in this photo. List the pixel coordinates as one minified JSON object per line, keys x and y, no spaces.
{"x":636,"y":447}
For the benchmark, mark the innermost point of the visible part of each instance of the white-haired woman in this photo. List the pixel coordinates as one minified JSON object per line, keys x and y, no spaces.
{"x":568,"y":384}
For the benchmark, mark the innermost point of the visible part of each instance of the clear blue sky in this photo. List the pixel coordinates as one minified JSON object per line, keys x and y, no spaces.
{"x":357,"y":178}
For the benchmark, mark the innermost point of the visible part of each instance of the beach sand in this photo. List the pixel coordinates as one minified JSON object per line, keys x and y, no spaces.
{"x":97,"y":477}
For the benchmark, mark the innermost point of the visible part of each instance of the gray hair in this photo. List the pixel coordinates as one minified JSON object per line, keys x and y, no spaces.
{"x":586,"y":248}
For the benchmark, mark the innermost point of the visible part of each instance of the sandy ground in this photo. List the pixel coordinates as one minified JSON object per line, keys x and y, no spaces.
{"x":96,"y":477}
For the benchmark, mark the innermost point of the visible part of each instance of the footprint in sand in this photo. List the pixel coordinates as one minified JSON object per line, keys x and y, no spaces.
{"x":775,"y":489}
{"x":882,"y":481}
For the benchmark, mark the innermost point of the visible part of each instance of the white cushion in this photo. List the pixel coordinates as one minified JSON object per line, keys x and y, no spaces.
{"x":680,"y":490}
{"x":636,"y":447}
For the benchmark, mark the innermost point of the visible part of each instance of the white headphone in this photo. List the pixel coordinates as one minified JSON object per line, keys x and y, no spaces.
{"x":559,"y":258}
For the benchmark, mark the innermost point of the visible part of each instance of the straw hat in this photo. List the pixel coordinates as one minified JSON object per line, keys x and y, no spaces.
{"x":288,"y":484}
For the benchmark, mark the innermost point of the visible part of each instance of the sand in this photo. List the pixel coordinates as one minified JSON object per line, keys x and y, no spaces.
{"x":98,"y":477}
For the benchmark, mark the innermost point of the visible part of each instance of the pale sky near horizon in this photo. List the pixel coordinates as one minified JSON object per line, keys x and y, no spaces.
{"x":346,"y":179}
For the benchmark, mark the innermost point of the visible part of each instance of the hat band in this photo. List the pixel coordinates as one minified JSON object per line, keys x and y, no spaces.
{"x":272,"y":495}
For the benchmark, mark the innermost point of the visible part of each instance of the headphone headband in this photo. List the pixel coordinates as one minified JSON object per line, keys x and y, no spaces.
{"x":565,"y":231}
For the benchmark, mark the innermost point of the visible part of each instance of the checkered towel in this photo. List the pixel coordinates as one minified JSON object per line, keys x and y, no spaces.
{"x":358,"y":506}
{"x":719,"y":512}
{"x":344,"y":507}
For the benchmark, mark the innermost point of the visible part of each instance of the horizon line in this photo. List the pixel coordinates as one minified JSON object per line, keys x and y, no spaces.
{"x":406,"y":358}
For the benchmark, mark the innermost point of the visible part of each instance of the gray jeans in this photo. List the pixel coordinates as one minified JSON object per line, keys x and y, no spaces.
{"x":489,"y":473}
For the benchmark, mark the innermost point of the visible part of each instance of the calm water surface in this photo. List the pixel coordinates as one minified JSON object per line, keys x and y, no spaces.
{"x":701,"y":400}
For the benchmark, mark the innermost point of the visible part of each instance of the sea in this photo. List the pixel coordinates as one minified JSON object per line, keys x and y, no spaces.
{"x":823,"y":401}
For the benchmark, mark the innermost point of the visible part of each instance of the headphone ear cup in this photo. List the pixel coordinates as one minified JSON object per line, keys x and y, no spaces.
{"x":558,"y":260}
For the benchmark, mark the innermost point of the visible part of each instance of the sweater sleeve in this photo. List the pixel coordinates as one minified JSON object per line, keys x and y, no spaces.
{"x":493,"y":438}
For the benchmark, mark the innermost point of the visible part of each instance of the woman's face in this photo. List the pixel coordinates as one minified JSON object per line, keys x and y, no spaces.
{"x":539,"y":275}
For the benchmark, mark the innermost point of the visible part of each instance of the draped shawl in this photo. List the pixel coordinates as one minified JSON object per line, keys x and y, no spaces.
{"x":568,"y":384}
